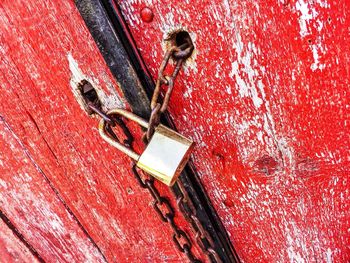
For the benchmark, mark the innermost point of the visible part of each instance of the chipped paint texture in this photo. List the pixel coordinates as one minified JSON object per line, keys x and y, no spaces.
{"x":61,"y":185}
{"x":109,"y":100}
{"x":12,"y":249}
{"x":310,"y":22}
{"x":38,"y":210}
{"x":267,"y":105}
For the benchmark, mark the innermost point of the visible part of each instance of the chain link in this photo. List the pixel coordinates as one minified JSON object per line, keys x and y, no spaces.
{"x":166,"y":213}
{"x":203,"y":238}
{"x":179,"y":54}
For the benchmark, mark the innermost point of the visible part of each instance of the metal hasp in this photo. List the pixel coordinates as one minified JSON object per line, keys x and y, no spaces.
{"x":164,"y":157}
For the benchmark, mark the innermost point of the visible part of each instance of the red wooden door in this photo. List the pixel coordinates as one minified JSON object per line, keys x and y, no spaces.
{"x":64,"y":193}
{"x":265,"y":96}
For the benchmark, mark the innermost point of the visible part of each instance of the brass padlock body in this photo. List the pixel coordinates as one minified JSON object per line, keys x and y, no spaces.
{"x":165,"y":155}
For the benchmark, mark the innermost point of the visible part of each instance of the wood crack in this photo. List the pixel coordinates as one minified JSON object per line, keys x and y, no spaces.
{"x":17,"y":233}
{"x":74,"y":217}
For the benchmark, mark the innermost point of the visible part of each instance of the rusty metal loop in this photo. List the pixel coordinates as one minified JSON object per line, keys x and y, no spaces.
{"x":154,"y":192}
{"x":188,"y":253}
{"x":137,"y":176}
{"x":203,"y":238}
{"x":169,"y":216}
{"x":162,"y":80}
{"x":99,"y":112}
{"x":161,"y":77}
{"x":129,"y":138}
{"x":215,"y":255}
{"x":202,"y":233}
{"x":169,"y":209}
{"x":153,"y":121}
{"x":184,"y":51}
{"x":113,"y":121}
{"x":181,"y":234}
{"x":172,"y":224}
{"x":186,"y":200}
{"x":171,"y":82}
{"x":179,"y":54}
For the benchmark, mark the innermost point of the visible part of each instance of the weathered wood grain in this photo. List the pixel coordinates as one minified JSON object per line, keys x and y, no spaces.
{"x":265,"y":96}
{"x":34,"y":208}
{"x":49,"y":142}
{"x":12,"y":249}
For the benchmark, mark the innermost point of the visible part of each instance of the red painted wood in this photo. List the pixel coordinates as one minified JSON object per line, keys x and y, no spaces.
{"x":12,"y":249}
{"x":265,"y":96}
{"x":46,"y":138}
{"x":34,"y":209}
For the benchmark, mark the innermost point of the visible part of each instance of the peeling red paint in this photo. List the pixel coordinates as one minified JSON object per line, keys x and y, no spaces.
{"x":266,"y":100}
{"x":52,"y":157}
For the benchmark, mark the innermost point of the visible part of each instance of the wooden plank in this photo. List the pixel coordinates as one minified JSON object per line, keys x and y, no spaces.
{"x":34,"y":208}
{"x":265,"y":96}
{"x":12,"y":249}
{"x":46,"y":50}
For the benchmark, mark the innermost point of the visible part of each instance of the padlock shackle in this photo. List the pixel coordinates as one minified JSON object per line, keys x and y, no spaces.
{"x":129,"y":115}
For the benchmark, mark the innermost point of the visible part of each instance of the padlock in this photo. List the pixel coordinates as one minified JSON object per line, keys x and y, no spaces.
{"x":165,"y":155}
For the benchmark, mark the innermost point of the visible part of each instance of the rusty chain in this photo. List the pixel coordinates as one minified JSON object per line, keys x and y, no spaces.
{"x":189,"y":211}
{"x":180,"y":54}
{"x":161,"y":204}
{"x":185,"y":204}
{"x":166,"y":213}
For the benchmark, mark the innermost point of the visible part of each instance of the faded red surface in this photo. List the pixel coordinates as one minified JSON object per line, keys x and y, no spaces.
{"x":71,"y":196}
{"x":12,"y":249}
{"x":266,"y":98}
